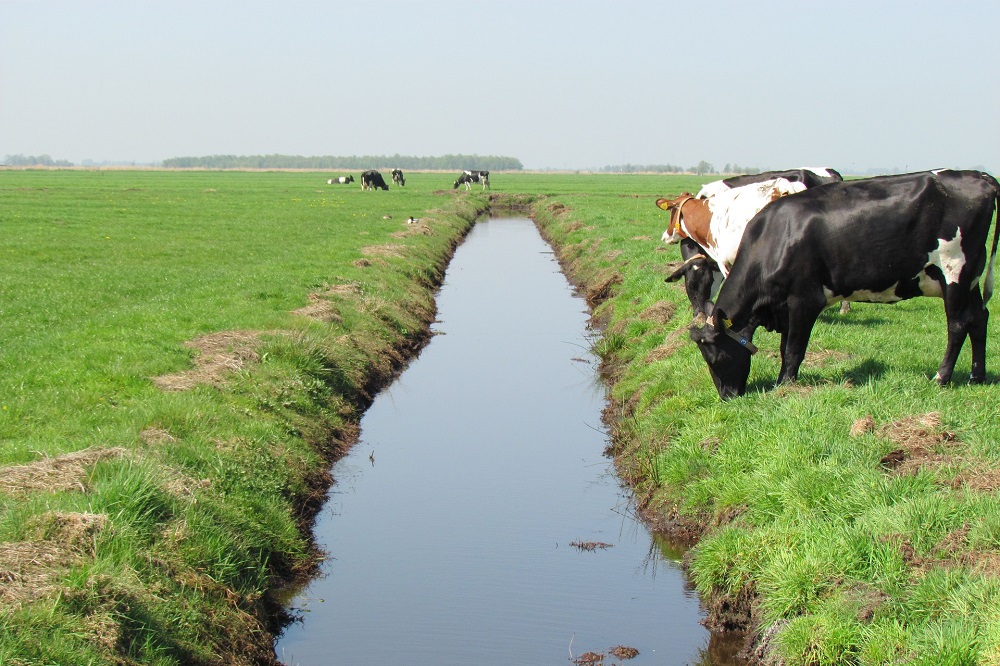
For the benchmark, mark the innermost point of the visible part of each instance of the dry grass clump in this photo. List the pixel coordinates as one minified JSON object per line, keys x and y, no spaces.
{"x":320,"y":309}
{"x":219,"y":353}
{"x":659,"y":313}
{"x":387,"y":250}
{"x":61,"y":473}
{"x":32,"y":570}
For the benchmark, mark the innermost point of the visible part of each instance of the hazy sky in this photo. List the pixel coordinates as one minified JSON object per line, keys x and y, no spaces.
{"x":579,"y":84}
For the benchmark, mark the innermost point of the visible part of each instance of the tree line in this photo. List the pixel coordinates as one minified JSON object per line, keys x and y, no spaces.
{"x":353,"y":162}
{"x":34,"y":160}
{"x":702,"y":168}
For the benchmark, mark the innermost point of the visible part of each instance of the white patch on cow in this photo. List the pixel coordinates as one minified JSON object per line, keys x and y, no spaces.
{"x":822,"y":172}
{"x":948,"y":257}
{"x":711,"y":189}
{"x":864,"y":296}
{"x":732,"y":209}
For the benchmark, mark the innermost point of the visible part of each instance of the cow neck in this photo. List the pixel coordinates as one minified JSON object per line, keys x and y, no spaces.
{"x":739,"y":325}
{"x":677,"y":224}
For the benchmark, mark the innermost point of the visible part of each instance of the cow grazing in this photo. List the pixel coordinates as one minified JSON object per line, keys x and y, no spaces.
{"x":717,"y":223}
{"x":878,"y":240}
{"x":699,"y":287}
{"x":372,"y":179}
{"x":397,"y":178}
{"x":343,"y":180}
{"x":701,"y":274}
{"x":469,"y":177}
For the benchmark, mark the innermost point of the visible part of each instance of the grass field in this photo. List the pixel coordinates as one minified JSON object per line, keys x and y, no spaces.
{"x":183,"y":353}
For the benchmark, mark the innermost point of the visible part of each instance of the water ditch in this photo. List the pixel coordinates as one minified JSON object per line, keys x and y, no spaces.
{"x":477,"y":520}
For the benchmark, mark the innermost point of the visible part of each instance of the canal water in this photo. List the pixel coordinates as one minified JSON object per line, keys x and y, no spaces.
{"x":451,"y":526}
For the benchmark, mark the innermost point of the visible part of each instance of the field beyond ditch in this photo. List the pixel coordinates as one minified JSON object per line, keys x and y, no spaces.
{"x":183,"y":353}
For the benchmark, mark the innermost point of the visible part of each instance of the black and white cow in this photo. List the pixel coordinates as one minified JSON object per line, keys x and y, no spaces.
{"x":469,"y":177}
{"x":343,"y":180}
{"x":701,"y":287}
{"x":397,"y":177}
{"x":372,"y":179}
{"x":879,"y":240}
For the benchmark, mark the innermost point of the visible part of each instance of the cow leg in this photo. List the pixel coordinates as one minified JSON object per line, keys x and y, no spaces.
{"x":795,"y":338}
{"x":977,"y":338}
{"x":970,"y":320}
{"x":958,"y":310}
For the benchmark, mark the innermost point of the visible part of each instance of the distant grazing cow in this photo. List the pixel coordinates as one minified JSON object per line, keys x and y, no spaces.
{"x":397,"y":177}
{"x":372,"y":179}
{"x":699,"y":286}
{"x":469,"y":177}
{"x":879,"y":240}
{"x":343,"y":180}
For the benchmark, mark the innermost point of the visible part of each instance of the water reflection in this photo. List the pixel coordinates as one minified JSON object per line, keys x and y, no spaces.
{"x":451,"y":522}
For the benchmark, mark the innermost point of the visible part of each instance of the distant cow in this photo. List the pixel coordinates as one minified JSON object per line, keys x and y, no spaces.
{"x":879,"y":240}
{"x":372,"y":179}
{"x":469,"y":177}
{"x":397,"y":177}
{"x":343,"y":180}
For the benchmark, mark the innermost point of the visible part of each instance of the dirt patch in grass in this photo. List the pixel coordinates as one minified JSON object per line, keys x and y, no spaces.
{"x":671,"y":343}
{"x":319,"y":308}
{"x":821,"y":357}
{"x":218,"y":354}
{"x":660,"y":313}
{"x":34,"y":569}
{"x":387,"y":250}
{"x":601,"y":290}
{"x":61,"y":473}
{"x":918,"y":439}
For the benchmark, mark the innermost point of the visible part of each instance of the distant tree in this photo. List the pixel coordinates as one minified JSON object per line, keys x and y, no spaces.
{"x":35,"y":161}
{"x":352,"y":162}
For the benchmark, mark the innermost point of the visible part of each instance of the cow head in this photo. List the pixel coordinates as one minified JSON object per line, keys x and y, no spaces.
{"x":727,"y":354}
{"x":673,"y":206}
{"x":699,"y":273}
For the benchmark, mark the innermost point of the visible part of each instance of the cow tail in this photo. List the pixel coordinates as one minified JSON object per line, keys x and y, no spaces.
{"x":988,"y":282}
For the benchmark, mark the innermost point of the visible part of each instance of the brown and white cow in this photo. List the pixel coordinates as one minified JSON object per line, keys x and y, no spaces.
{"x":717,"y":223}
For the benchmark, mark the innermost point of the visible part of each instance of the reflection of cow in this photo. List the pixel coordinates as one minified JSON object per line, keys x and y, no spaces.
{"x":343,"y":180}
{"x":469,"y":177}
{"x":372,"y":179}
{"x":397,"y":177}
{"x":879,"y":240}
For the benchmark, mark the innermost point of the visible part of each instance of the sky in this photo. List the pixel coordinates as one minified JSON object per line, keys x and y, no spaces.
{"x":902,"y":85}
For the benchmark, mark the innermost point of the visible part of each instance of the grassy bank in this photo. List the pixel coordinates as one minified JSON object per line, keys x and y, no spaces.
{"x":182,"y":354}
{"x":852,"y":518}
{"x":181,"y":357}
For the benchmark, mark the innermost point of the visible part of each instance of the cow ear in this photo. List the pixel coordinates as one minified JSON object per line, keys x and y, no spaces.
{"x":664,"y":204}
{"x":719,"y":318}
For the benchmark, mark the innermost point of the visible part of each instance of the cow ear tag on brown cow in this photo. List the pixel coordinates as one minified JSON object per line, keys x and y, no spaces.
{"x":663,"y":204}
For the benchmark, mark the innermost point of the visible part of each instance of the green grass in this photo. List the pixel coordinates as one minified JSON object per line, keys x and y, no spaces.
{"x":162,"y":541}
{"x":201,"y":496}
{"x":844,"y":561}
